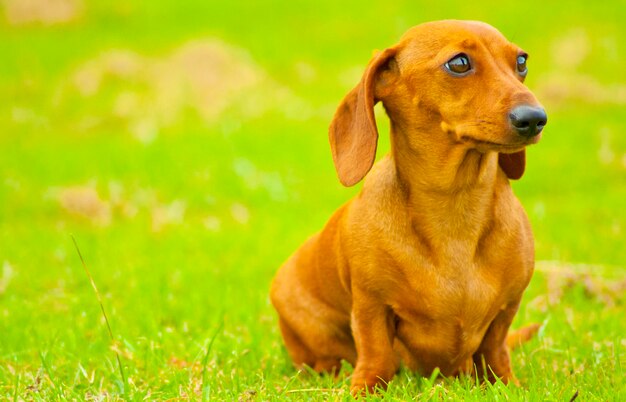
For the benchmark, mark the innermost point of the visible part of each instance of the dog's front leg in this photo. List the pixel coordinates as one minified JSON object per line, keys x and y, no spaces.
{"x":492,"y":358}
{"x":373,"y":331}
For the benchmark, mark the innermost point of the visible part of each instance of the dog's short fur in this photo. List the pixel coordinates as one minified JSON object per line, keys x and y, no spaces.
{"x":427,"y":264}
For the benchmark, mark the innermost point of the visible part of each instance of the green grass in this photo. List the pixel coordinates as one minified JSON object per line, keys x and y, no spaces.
{"x":188,"y":301}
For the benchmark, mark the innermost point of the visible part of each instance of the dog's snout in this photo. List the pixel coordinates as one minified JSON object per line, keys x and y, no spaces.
{"x":528,"y":121}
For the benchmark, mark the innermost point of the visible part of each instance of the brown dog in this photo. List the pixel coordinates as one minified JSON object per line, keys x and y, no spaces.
{"x":427,"y":265}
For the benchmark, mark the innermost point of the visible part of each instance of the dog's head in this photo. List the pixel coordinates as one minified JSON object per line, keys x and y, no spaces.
{"x":457,"y":82}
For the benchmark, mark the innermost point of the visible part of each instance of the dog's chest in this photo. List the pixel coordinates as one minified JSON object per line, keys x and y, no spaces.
{"x":444,"y":314}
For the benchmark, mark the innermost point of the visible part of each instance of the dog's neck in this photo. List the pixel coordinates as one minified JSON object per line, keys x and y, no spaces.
{"x":449,"y":190}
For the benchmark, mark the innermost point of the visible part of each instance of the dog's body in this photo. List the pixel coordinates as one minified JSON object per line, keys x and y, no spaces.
{"x":427,"y":265}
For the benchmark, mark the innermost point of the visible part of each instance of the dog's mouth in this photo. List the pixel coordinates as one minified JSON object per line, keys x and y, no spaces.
{"x":503,"y":147}
{"x":468,"y":134}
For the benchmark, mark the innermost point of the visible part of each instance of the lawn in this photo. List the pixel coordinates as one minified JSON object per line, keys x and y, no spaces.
{"x":184,"y":147}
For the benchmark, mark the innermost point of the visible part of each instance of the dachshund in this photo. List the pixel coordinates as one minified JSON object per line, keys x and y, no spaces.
{"x":427,"y":265}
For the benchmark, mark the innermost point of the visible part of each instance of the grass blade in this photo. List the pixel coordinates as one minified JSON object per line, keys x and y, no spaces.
{"x":206,"y":358}
{"x":47,"y":370}
{"x":17,"y":387}
{"x":104,"y":314}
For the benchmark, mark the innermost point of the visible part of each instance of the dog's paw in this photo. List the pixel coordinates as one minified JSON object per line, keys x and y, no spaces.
{"x":364,"y":383}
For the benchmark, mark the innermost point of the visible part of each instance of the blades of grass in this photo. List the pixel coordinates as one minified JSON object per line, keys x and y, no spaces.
{"x":17,"y":387}
{"x":47,"y":370}
{"x":293,"y":378}
{"x":303,"y":390}
{"x":106,"y":319}
{"x":205,"y":359}
{"x":434,"y":376}
{"x":617,"y":353}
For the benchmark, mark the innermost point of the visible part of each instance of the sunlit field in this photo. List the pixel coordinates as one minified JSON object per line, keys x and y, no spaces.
{"x":184,"y":147}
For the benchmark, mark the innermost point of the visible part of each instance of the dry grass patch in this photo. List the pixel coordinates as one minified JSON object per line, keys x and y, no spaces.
{"x":45,"y":12}
{"x":146,"y":94}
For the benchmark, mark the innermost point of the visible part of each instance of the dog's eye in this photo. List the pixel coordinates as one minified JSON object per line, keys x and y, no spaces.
{"x":521,"y":64}
{"x":459,"y":64}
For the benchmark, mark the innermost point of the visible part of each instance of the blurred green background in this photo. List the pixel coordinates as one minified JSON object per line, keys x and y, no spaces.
{"x":184,"y":145}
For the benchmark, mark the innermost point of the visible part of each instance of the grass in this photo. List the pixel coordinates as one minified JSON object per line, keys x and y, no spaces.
{"x":182,"y":222}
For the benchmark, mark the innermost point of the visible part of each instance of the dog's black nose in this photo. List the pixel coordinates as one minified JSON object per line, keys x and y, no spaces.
{"x":528,"y":120}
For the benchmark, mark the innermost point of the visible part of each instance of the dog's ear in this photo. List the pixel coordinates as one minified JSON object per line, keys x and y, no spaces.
{"x":353,"y":134}
{"x":513,"y":164}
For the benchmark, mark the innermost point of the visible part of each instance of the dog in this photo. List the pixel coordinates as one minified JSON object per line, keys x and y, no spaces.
{"x":426,"y":266}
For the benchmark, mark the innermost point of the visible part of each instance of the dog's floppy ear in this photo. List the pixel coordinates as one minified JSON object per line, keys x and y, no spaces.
{"x":513,"y":164}
{"x":353,"y":134}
